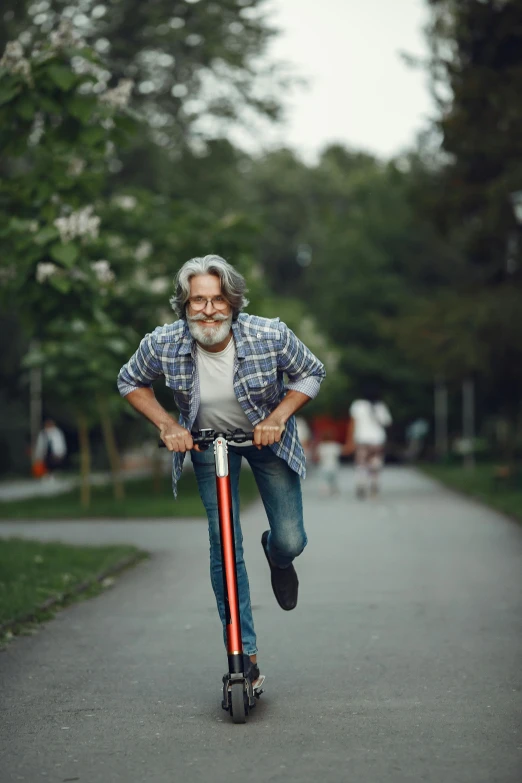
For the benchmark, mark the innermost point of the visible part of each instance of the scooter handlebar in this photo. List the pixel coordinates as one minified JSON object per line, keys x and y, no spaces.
{"x":207,"y":437}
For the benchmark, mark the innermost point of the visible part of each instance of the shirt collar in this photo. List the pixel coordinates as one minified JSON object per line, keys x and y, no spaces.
{"x":238,"y":338}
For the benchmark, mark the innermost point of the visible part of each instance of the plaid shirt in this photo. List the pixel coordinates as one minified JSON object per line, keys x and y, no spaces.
{"x":266,"y":349}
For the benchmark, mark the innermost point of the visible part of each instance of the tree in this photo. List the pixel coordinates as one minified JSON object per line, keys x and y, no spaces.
{"x":80,"y":361}
{"x":197,"y":66}
{"x":342,"y":236}
{"x":472,"y":329}
{"x":54,"y":137}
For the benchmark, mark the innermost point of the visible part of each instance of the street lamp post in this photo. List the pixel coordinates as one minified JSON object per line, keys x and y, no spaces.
{"x":512,"y":260}
{"x":304,"y":255}
{"x":516,"y":202}
{"x":441,"y":418}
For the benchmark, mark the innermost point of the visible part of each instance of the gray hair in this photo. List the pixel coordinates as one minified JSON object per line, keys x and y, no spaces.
{"x":233,"y":284}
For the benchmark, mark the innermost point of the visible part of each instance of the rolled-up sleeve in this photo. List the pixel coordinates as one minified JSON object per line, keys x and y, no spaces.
{"x":142,"y":368}
{"x":305,"y":371}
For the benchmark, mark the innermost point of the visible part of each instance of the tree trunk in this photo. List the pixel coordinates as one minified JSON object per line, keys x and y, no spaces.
{"x":85,"y":460}
{"x":35,"y":400}
{"x":111,"y":448}
{"x":468,"y":423}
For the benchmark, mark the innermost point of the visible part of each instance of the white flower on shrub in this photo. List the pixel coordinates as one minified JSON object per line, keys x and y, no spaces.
{"x":76,"y":167}
{"x":78,"y":224}
{"x":37,"y":131}
{"x":78,"y":326}
{"x":127,"y":203}
{"x":82,"y":66}
{"x":45,"y":270}
{"x":103,"y":271}
{"x":119,"y":96}
{"x":143,"y":250}
{"x":159,"y":285}
{"x":13,"y":61}
{"x":65,"y":36}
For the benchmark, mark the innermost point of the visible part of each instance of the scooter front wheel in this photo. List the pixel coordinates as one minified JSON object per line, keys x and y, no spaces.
{"x":237,"y":702}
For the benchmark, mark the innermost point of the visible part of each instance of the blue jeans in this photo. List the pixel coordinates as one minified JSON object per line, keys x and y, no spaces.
{"x":280,"y":490}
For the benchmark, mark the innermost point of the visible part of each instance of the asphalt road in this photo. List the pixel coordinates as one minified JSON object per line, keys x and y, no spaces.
{"x":402,"y":661}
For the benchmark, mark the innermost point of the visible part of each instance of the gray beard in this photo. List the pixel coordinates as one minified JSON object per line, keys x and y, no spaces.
{"x":206,"y":336}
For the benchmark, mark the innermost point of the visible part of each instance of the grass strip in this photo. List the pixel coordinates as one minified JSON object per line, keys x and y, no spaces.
{"x":36,"y":578}
{"x":480,"y":483}
{"x":143,"y":498}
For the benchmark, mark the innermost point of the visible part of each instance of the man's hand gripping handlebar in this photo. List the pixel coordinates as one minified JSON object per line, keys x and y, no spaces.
{"x":202,"y":439}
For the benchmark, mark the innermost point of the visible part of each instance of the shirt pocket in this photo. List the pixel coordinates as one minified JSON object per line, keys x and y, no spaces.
{"x":182,"y":388}
{"x":265,"y":388}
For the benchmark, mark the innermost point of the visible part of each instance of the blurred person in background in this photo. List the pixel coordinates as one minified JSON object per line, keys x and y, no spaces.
{"x":416,"y":435}
{"x":328,"y":452}
{"x":50,"y":450}
{"x":227,"y":370}
{"x":370,"y":418}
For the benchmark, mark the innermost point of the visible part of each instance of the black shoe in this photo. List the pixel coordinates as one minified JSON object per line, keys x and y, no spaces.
{"x":285,"y":583}
{"x":251,"y":669}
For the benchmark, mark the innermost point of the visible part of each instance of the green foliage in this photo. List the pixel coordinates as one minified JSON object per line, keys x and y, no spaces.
{"x":342,"y":237}
{"x":55,"y":139}
{"x":467,"y":322}
{"x":192,"y":62}
{"x":80,"y":360}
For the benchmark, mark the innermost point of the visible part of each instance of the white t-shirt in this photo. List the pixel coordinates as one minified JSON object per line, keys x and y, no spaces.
{"x":328,"y":453}
{"x":219,"y":408}
{"x":52,"y":438}
{"x":370,"y":419}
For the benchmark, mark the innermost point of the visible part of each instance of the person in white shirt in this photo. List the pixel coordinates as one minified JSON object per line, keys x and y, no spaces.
{"x":371,"y":417}
{"x":328,"y":452}
{"x":50,"y":447}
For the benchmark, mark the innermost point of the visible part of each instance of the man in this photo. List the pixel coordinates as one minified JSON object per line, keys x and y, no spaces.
{"x":226,"y":370}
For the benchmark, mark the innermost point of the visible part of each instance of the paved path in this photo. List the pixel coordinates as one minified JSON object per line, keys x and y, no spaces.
{"x":57,"y":484}
{"x":401,"y":663}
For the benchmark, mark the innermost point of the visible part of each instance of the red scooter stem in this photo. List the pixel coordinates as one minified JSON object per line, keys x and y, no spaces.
{"x":226,"y":523}
{"x":228,"y":554}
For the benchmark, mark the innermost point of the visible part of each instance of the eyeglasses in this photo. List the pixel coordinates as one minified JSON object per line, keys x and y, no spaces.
{"x":200,"y":302}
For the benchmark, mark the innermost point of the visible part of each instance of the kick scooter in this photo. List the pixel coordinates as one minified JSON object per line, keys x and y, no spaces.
{"x":239,"y":693}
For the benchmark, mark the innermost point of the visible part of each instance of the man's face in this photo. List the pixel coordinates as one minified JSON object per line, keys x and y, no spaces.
{"x":209,"y":315}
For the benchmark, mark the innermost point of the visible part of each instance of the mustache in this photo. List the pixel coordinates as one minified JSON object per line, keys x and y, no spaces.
{"x":203,"y":317}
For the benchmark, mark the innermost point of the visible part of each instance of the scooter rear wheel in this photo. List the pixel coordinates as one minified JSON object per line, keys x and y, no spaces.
{"x":237,"y":702}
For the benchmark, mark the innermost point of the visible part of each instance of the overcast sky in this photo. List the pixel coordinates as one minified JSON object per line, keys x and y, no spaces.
{"x":361,"y":93}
